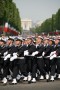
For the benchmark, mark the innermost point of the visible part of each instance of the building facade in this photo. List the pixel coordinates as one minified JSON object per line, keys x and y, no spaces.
{"x":26,"y":24}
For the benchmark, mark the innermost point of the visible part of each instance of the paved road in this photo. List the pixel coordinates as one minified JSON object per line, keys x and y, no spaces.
{"x":40,"y":85}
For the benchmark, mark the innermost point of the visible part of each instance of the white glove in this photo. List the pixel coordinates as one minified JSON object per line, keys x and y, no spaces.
{"x":43,"y":53}
{"x":26,"y":53}
{"x":6,"y":57}
{"x":14,"y":54}
{"x":13,"y":58}
{"x":35,"y":53}
{"x":5,"y":53}
{"x":53,"y":56}
{"x":52,"y":53}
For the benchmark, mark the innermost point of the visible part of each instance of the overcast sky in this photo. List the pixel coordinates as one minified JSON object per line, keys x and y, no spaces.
{"x":37,"y":10}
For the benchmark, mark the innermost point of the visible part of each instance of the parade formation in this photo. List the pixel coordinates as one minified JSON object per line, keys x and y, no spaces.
{"x":31,"y":58}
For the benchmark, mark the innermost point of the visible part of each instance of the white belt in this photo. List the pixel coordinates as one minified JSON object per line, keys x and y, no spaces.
{"x":39,"y":57}
{"x":44,"y":57}
{"x":58,"y":57}
{"x":20,"y":57}
{"x":49,"y":57}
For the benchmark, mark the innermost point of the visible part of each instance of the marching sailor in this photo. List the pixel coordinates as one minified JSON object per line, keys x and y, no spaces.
{"x":28,"y":57}
{"x":38,"y":59}
{"x":14,"y":59}
{"x":6,"y":56}
{"x":55,"y":62}
{"x":3,"y":49}
{"x":48,"y":46}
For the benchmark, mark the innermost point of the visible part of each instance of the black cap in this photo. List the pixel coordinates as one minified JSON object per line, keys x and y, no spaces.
{"x":40,"y":37}
{"x":51,"y":39}
{"x":46,"y":38}
{"x":18,"y":39}
{"x":29,"y":38}
{"x":3,"y":40}
{"x":57,"y":38}
{"x":11,"y":39}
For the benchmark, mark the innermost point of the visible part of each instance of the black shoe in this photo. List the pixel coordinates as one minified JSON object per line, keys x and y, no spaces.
{"x":47,"y":80}
{"x":1,"y":81}
{"x":4,"y":84}
{"x":51,"y":80}
{"x":12,"y":83}
{"x":29,"y":82}
{"x":57,"y":79}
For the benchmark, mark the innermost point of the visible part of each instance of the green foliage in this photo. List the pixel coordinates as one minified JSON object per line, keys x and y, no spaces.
{"x":58,"y":20}
{"x":9,"y":13}
{"x":49,"y":25}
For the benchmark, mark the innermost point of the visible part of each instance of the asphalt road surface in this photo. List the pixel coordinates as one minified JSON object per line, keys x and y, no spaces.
{"x":40,"y":85}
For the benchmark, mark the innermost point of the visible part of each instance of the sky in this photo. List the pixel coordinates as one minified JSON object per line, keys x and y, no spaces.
{"x":37,"y":10}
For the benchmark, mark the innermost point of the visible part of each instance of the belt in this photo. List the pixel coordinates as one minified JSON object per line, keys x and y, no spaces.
{"x":20,"y":57}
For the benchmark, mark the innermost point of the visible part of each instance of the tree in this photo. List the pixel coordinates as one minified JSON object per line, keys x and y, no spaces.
{"x":9,"y":13}
{"x":58,"y":20}
{"x":49,"y":25}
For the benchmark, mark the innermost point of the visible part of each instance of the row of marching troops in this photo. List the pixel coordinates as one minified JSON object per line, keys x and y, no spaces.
{"x":32,"y":59}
